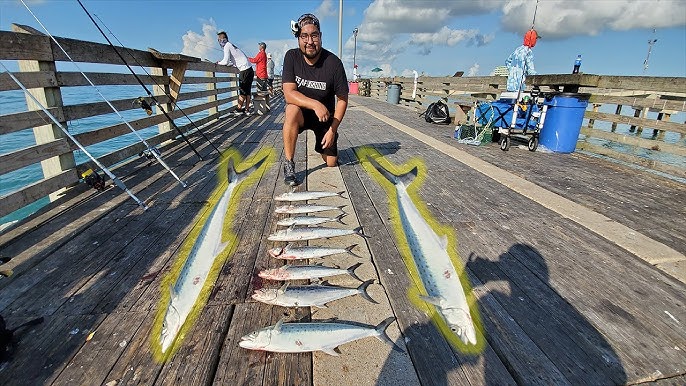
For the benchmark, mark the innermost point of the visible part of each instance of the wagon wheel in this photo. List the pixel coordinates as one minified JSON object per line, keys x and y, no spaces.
{"x":533,"y":143}
{"x":505,"y":143}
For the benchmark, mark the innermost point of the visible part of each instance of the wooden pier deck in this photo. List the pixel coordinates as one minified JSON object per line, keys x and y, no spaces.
{"x":577,"y":266}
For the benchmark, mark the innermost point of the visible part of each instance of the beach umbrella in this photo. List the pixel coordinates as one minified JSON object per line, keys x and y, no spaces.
{"x":376,"y":69}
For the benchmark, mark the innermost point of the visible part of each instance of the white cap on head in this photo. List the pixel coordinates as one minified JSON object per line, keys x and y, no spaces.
{"x":269,"y":55}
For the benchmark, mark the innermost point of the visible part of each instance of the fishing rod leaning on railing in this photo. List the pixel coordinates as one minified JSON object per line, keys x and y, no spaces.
{"x":151,"y":150}
{"x":114,"y":178}
{"x":159,"y":106}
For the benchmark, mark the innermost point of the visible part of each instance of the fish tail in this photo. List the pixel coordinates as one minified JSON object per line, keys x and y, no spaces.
{"x":341,"y":194}
{"x":362,"y":289}
{"x":340,"y":207}
{"x":351,"y":253}
{"x":352,"y":269}
{"x":244,"y":174}
{"x":358,"y":231}
{"x":339,"y":218}
{"x":382,"y":336}
{"x":406,"y":178}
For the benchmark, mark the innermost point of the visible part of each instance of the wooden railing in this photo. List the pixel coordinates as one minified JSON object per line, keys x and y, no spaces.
{"x":647,"y":136}
{"x":208,"y":89}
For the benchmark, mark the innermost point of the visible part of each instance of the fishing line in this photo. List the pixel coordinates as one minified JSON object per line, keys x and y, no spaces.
{"x":152,"y":150}
{"x":145,"y":87}
{"x":114,"y":178}
{"x":533,"y":22}
{"x":148,"y":74}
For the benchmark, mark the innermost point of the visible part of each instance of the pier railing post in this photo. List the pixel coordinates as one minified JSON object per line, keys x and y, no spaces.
{"x":212,"y":98}
{"x":51,"y":99}
{"x":161,"y":90}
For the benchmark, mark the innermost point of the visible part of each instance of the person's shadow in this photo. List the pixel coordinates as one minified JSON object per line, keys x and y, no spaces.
{"x":534,"y":336}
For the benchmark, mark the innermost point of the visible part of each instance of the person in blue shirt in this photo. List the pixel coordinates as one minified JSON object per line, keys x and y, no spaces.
{"x":521,"y":62}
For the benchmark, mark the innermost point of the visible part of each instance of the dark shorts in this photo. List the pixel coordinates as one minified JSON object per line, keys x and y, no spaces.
{"x":262,"y":84}
{"x":319,"y":128}
{"x":245,"y":78}
{"x":270,"y":81}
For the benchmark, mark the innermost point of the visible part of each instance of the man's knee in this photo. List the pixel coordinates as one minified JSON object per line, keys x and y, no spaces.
{"x":294,"y":116}
{"x":330,"y":160}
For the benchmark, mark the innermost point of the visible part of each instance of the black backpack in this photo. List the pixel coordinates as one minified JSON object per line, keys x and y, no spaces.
{"x":438,"y":113}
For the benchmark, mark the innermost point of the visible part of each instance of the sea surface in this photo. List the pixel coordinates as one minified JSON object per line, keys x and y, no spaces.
{"x":15,"y":101}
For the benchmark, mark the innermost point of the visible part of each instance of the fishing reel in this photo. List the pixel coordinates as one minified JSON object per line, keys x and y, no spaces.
{"x":149,"y":153}
{"x":142,"y":103}
{"x":94,"y":180}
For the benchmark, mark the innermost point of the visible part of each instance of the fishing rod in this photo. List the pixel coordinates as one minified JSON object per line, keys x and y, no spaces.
{"x":151,"y":150}
{"x":151,"y":78}
{"x":145,"y":87}
{"x":114,"y":178}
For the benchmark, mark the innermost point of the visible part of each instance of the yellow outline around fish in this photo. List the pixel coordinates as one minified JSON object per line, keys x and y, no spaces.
{"x":414,"y":293}
{"x":228,"y":237}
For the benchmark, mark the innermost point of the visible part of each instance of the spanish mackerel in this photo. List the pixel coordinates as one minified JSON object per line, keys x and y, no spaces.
{"x":313,"y":295}
{"x":302,"y":209}
{"x":431,"y":257}
{"x":309,"y":220}
{"x":316,"y":336}
{"x":303,"y":234}
{"x":309,"y":252}
{"x":306,"y":272}
{"x":206,"y":248}
{"x":307,"y":195}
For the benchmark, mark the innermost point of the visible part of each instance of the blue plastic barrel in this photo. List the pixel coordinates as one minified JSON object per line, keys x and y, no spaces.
{"x":563,"y":121}
{"x":393,"y":94}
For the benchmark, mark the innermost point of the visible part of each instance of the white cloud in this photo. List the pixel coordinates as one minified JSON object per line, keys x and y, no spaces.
{"x":558,"y":19}
{"x":473,"y":70}
{"x":326,"y":9}
{"x":202,"y":45}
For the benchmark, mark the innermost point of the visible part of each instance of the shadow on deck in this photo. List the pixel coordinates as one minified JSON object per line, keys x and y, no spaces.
{"x":561,"y":302}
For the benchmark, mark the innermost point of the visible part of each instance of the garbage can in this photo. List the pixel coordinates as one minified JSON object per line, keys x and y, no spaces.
{"x":563,"y":121}
{"x":393,"y":94}
{"x":353,"y":88}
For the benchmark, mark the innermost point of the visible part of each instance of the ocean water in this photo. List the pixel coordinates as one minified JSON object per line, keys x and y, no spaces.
{"x":15,"y":101}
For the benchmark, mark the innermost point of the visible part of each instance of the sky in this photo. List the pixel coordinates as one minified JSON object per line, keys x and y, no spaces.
{"x":437,"y":38}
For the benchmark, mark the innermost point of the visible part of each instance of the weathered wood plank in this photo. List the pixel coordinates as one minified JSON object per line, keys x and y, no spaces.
{"x":633,"y":159}
{"x":18,"y":199}
{"x":95,"y":359}
{"x":634,"y":121}
{"x":651,"y":144}
{"x":30,"y":155}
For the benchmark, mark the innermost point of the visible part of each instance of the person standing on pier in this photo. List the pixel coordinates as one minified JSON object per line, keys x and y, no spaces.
{"x":233,"y":56}
{"x":520,"y":63}
{"x":260,"y":61}
{"x":270,"y":74}
{"x":316,"y":91}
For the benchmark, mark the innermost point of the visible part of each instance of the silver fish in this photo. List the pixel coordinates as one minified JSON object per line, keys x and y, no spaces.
{"x":303,"y":234}
{"x":313,"y":295}
{"x":430,"y":254}
{"x":307,"y":195}
{"x":309,"y":252}
{"x":302,"y":209}
{"x":306,"y":272}
{"x":316,"y":336}
{"x":209,"y":244}
{"x":309,"y":220}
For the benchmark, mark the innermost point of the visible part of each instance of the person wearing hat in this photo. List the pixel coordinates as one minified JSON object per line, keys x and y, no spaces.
{"x":233,"y":56}
{"x":270,"y":73}
{"x":315,"y":88}
{"x":520,"y":63}
{"x":260,"y":61}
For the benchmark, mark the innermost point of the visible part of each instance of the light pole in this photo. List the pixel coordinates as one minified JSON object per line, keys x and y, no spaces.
{"x":354,"y":53}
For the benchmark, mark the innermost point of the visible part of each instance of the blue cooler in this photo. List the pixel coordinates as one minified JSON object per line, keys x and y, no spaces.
{"x":563,"y":121}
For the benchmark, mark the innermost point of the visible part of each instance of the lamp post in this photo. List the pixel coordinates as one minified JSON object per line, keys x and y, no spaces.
{"x":354,"y":53}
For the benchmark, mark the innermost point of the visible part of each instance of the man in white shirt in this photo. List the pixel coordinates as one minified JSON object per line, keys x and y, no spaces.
{"x":233,"y":56}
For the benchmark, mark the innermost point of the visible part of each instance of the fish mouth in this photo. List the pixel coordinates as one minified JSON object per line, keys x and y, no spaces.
{"x":275,"y":252}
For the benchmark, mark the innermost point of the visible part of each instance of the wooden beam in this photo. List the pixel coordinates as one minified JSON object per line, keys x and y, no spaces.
{"x":176,"y":81}
{"x":32,"y":154}
{"x":19,"y":199}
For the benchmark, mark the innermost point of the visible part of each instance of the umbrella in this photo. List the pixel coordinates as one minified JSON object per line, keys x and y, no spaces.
{"x":376,"y":69}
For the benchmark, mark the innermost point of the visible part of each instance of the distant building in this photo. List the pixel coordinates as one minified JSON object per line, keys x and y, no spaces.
{"x":499,"y":71}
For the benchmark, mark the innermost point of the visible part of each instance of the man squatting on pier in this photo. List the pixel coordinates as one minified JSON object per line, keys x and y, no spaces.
{"x":312,"y":79}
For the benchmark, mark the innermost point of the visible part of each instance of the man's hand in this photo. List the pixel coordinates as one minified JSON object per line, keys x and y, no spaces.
{"x":328,"y":138}
{"x":321,"y":111}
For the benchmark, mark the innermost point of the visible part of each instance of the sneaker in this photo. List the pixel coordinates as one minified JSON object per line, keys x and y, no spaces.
{"x":289,"y":173}
{"x":247,"y":113}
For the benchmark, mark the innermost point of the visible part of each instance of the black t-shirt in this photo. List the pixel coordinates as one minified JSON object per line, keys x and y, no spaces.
{"x":322,"y":81}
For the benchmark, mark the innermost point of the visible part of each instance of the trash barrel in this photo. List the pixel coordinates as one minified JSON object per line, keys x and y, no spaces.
{"x":393,"y":94}
{"x":353,"y":88}
{"x":563,"y":121}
